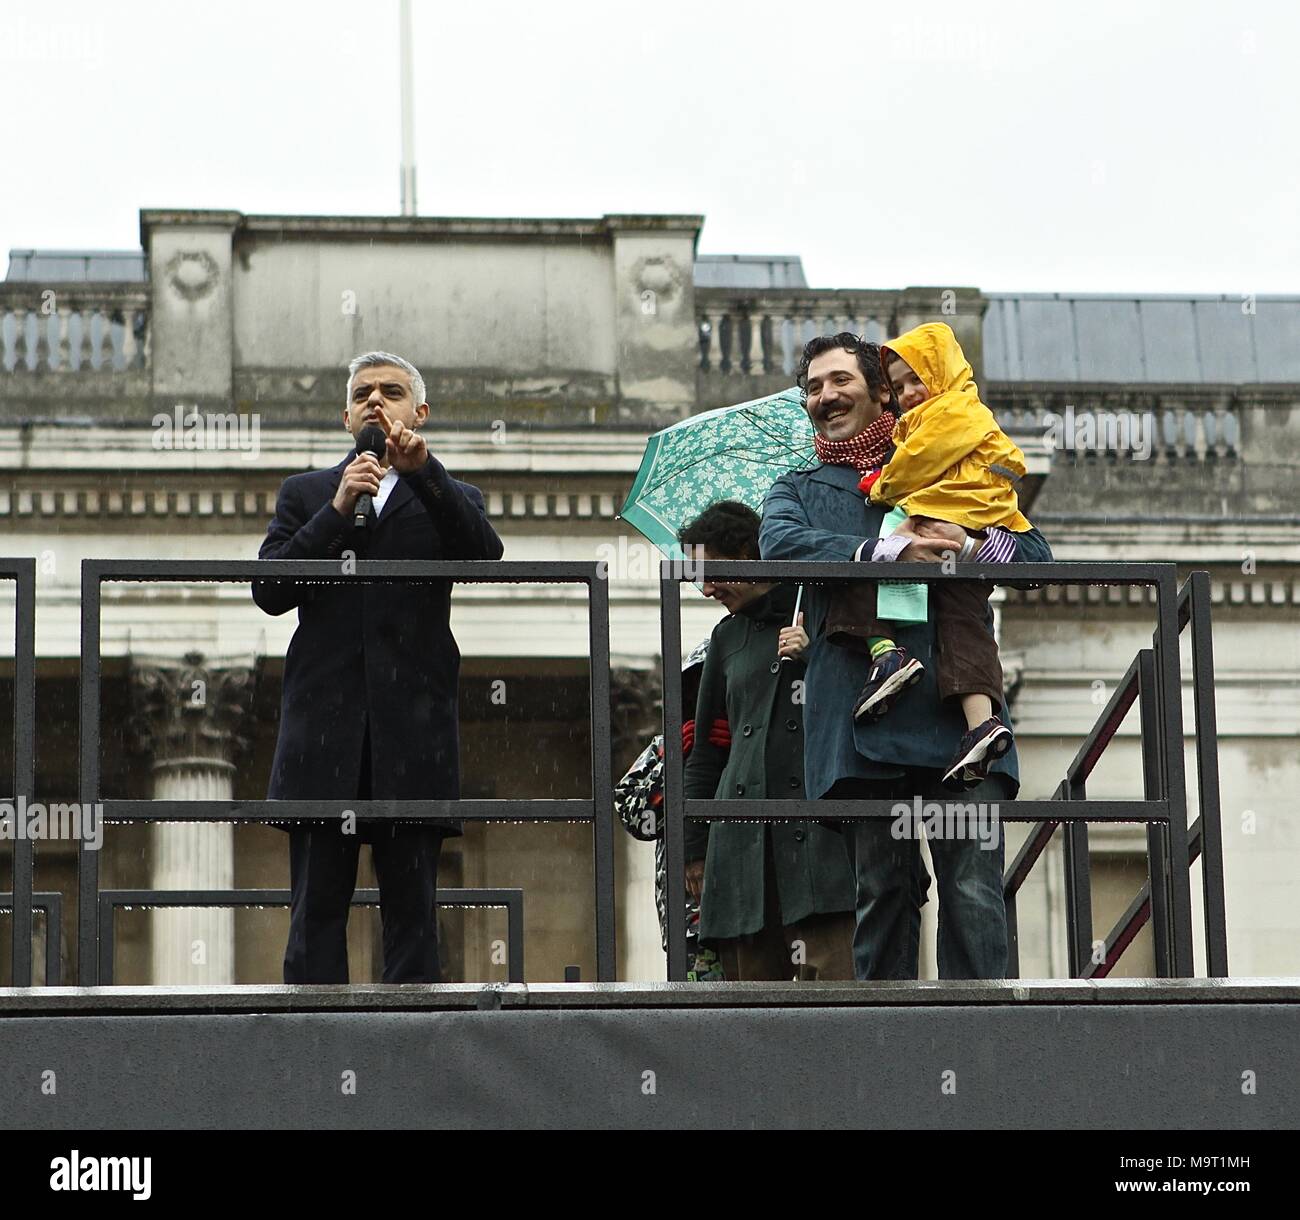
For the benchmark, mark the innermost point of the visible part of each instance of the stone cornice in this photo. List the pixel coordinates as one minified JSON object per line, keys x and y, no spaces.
{"x":1276,"y":589}
{"x":219,"y":501}
{"x":64,"y":448}
{"x":420,"y":228}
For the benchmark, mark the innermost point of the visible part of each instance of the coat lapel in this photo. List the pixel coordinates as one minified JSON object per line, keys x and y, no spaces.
{"x":845,"y":478}
{"x":397,"y":498}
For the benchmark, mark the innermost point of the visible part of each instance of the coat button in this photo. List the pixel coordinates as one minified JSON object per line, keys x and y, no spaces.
{"x":747,"y":730}
{"x":792,"y":725}
{"x":775,"y":667}
{"x":759,"y":625}
{"x":794,"y":781}
{"x":798,"y":836}
{"x":740,"y":789}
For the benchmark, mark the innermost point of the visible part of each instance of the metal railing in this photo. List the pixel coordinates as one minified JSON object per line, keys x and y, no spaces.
{"x":1156,"y":674}
{"x":23,"y":573}
{"x":111,"y":900}
{"x":1153,"y":680}
{"x":597,"y":809}
{"x":1205,"y":838}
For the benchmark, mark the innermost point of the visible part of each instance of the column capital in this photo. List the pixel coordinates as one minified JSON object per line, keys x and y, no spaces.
{"x":193,"y":710}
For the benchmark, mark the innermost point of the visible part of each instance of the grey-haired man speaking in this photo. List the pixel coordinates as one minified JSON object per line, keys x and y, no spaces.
{"x":369,"y":705}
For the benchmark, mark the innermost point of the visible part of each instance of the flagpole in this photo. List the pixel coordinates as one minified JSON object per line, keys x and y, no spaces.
{"x":408,"y":112}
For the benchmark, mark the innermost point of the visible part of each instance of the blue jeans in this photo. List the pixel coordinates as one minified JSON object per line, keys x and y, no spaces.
{"x":972,"y":913}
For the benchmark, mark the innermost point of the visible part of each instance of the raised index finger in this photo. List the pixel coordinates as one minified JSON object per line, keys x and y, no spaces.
{"x":382,"y":416}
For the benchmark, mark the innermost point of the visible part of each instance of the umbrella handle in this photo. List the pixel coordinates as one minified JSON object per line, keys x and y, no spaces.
{"x":794,"y":622}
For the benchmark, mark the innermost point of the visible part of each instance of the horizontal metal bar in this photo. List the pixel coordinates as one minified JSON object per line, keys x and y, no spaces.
{"x":41,"y":900}
{"x":997,"y":573}
{"x":1112,"y":716}
{"x":469,"y":570}
{"x":780,"y":810}
{"x":512,"y":899}
{"x":282,"y":898}
{"x":332,"y":810}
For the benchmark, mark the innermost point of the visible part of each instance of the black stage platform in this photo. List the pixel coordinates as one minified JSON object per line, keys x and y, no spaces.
{"x":1173,"y":1054}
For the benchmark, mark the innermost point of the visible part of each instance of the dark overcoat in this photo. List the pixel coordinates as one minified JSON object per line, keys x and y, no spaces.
{"x":378,"y":656}
{"x":762,"y":701}
{"x":819,"y":515}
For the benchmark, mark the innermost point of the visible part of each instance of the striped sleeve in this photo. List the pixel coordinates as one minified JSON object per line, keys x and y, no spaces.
{"x":998,"y":547}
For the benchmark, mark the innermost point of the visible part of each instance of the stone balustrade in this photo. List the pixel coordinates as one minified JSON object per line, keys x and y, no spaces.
{"x":73,"y":327}
{"x":1100,"y":423}
{"x":748,"y":332}
{"x":750,"y":340}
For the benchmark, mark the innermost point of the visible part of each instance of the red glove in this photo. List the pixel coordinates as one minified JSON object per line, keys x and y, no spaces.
{"x":867,"y":481}
{"x":720,"y":734}
{"x":688,"y":736}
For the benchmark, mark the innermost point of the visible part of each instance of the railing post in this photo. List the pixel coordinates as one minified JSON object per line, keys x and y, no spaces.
{"x":1170,"y":685}
{"x":24,"y":772}
{"x":1207,"y":777}
{"x":1078,"y":886}
{"x":1013,"y":938}
{"x":87,"y":860}
{"x":674,"y":806}
{"x":602,"y":783}
{"x":1153,"y":786}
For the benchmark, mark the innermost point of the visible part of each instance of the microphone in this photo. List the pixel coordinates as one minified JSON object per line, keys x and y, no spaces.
{"x":371,"y":439}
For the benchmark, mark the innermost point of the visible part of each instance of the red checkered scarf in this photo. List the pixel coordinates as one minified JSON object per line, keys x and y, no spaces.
{"x":866,"y":451}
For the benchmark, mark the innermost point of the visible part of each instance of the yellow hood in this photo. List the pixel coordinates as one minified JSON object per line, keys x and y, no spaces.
{"x":951,"y":461}
{"x":935,"y":356}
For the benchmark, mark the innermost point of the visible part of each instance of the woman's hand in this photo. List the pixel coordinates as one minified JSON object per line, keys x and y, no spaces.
{"x":793,"y":641}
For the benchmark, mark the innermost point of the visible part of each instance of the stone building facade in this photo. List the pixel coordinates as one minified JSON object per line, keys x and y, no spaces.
{"x":550,"y":349}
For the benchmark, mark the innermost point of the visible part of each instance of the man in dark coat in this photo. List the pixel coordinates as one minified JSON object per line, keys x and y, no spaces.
{"x":820,"y":515}
{"x":777,"y":898}
{"x":369,"y":707}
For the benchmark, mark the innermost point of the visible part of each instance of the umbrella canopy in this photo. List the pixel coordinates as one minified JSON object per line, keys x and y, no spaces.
{"x":737,"y":453}
{"x":733,"y":453}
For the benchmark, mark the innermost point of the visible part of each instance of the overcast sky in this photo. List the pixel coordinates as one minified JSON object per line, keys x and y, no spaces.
{"x":1112,"y":146}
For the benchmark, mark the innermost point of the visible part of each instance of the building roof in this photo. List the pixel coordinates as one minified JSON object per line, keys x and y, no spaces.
{"x":749,"y":271}
{"x":76,"y":266}
{"x":1161,"y":339}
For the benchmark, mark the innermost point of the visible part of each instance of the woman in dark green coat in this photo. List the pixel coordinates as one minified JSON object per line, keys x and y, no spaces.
{"x":777,"y":898}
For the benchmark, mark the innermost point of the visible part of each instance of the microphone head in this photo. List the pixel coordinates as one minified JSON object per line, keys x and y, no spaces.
{"x":372,"y":439}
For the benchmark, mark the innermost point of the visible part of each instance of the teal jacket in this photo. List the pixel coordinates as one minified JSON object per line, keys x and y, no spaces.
{"x":762,"y":701}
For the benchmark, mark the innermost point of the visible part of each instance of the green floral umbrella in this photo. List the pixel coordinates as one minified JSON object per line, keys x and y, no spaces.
{"x":737,"y":453}
{"x":733,"y":453}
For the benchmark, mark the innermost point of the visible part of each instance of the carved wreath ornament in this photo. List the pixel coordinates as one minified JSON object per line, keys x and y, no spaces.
{"x":192,"y":273}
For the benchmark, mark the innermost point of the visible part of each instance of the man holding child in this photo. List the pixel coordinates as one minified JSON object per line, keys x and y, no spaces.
{"x":934,"y":724}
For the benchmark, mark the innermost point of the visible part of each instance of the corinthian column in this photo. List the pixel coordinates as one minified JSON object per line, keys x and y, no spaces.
{"x":193,"y":716}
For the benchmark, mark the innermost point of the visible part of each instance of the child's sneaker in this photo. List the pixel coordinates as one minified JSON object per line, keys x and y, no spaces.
{"x":891,"y":673}
{"x":977,"y":749}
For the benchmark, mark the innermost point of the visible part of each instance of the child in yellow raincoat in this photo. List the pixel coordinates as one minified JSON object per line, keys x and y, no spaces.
{"x":951,"y":462}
